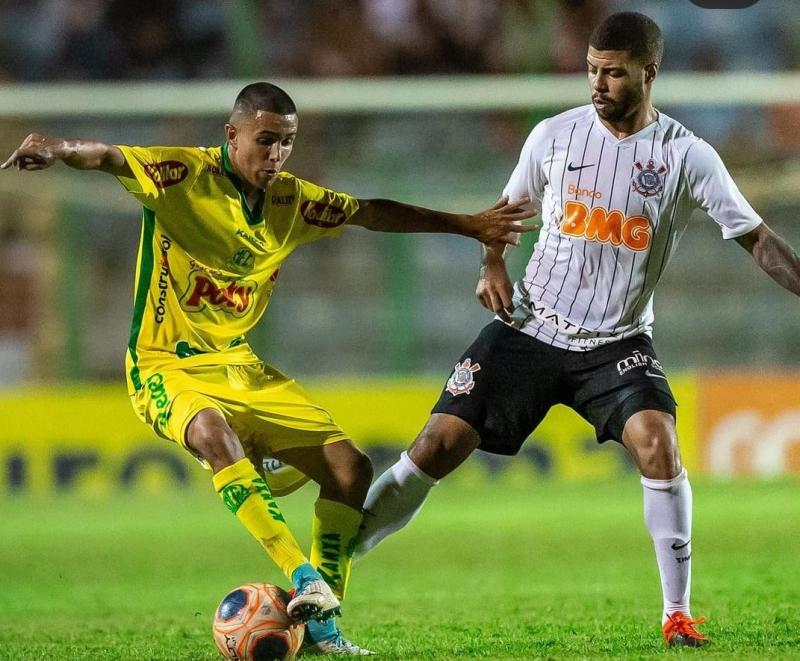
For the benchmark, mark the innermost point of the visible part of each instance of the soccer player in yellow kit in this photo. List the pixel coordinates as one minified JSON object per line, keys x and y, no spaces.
{"x":218,"y":223}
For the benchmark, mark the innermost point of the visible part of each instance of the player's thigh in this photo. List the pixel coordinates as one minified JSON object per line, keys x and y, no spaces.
{"x":502,"y":387}
{"x":281,"y":420}
{"x":610,"y":385}
{"x":170,"y":399}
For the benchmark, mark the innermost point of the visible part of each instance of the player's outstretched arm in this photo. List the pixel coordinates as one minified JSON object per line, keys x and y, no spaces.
{"x":502,"y":223}
{"x":494,"y":290}
{"x":38,"y":152}
{"x":776,"y":257}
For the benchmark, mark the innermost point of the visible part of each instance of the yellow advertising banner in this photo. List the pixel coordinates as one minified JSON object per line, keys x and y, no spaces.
{"x":88,"y":439}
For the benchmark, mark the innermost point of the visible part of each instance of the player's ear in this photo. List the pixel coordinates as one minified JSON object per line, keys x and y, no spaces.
{"x":230,"y":134}
{"x":650,"y":71}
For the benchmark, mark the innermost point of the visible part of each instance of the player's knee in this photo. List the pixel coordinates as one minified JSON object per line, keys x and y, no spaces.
{"x":442,"y":446}
{"x":361,"y":472}
{"x":210,"y":436}
{"x":652,"y":441}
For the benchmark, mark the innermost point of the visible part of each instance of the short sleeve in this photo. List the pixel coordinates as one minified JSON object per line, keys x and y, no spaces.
{"x":527,"y":179}
{"x":322,"y":212}
{"x":714,"y":191}
{"x":157,"y":172}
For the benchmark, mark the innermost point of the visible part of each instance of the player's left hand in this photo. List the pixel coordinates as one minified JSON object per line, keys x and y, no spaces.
{"x":494,"y":290}
{"x":502,"y":222}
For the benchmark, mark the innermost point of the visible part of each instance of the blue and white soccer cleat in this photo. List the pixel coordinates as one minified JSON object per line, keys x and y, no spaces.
{"x":327,"y":638}
{"x":312,"y":598}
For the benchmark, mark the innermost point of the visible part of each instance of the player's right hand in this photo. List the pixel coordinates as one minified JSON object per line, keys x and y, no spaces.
{"x":35,"y":153}
{"x":494,"y":290}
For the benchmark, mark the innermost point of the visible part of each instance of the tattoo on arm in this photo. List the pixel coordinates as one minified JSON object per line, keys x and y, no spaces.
{"x":775,"y":256}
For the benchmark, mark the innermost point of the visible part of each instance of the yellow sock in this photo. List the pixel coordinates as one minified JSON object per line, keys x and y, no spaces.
{"x":333,"y":538}
{"x":245,"y":493}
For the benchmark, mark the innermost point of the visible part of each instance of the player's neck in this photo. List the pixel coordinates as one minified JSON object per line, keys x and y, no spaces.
{"x":634,"y":123}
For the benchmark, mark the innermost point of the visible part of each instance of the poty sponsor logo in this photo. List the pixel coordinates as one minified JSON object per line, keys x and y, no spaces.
{"x":603,"y":226}
{"x":235,"y":298}
{"x":166,"y":173}
{"x":638,"y":359}
{"x":163,"y":281}
{"x":321,"y":214}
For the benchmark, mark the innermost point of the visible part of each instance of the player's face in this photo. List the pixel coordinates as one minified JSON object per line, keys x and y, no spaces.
{"x":259,"y":145}
{"x":617,"y":82}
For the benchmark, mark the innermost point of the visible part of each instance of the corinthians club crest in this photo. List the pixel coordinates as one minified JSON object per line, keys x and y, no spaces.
{"x":461,"y":381}
{"x":648,"y":180}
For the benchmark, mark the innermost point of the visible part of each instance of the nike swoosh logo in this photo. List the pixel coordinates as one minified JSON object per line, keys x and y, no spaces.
{"x":572,"y":167}
{"x":675,"y":547}
{"x":654,"y":375}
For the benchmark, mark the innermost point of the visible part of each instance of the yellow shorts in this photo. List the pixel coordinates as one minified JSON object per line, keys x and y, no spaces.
{"x":267,"y":410}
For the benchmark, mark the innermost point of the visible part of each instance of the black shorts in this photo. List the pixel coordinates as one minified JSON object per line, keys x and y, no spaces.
{"x":506,"y":382}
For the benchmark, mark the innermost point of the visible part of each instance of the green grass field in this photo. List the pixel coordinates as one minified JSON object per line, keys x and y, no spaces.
{"x":519,"y":570}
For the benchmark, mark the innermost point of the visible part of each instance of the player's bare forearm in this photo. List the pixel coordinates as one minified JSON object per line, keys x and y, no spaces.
{"x":774,"y":255}
{"x":38,"y":152}
{"x":500,"y":224}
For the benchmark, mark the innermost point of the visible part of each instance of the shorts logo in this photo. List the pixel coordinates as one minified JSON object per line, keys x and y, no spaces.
{"x":648,"y":181}
{"x":638,"y":359}
{"x":160,"y":398}
{"x":461,"y":382}
{"x":166,"y":173}
{"x":322,"y":215}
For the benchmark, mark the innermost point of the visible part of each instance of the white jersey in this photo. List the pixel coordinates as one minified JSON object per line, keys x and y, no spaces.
{"x":612,"y":212}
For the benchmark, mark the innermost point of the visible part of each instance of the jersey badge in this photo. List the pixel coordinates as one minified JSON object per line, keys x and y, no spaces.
{"x":649,"y":178}
{"x":461,"y":381}
{"x":244,"y":259}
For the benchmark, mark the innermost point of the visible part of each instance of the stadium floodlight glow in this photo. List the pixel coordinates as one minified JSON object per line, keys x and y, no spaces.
{"x":383,"y":95}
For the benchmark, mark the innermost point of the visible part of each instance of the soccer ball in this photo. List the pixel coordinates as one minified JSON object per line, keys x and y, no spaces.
{"x":251,"y":624}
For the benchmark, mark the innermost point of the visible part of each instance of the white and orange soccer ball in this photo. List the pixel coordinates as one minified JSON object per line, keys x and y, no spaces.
{"x":251,"y":624}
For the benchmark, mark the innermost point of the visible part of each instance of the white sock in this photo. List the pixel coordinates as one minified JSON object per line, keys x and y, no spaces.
{"x":668,"y":516}
{"x":392,"y":501}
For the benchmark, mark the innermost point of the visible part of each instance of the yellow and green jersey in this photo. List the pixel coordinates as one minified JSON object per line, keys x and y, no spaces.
{"x":207,"y":261}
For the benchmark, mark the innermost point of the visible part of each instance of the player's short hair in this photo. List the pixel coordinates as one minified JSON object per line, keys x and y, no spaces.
{"x":263,"y":96}
{"x":630,"y":31}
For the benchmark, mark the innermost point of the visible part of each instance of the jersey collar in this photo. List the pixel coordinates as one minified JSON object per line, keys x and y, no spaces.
{"x":641,"y":133}
{"x":256,"y":215}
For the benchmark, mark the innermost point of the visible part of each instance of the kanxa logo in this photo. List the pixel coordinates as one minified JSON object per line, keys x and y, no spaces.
{"x":166,"y":173}
{"x":724,"y":4}
{"x":235,"y":298}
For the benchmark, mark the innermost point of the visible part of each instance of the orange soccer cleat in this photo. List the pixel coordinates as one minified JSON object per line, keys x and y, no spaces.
{"x":679,"y":630}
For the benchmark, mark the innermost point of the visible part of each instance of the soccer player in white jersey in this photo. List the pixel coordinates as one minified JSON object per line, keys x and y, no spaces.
{"x":616,"y":181}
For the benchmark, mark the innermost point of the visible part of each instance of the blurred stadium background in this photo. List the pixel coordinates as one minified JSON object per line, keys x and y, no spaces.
{"x":426,"y":101}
